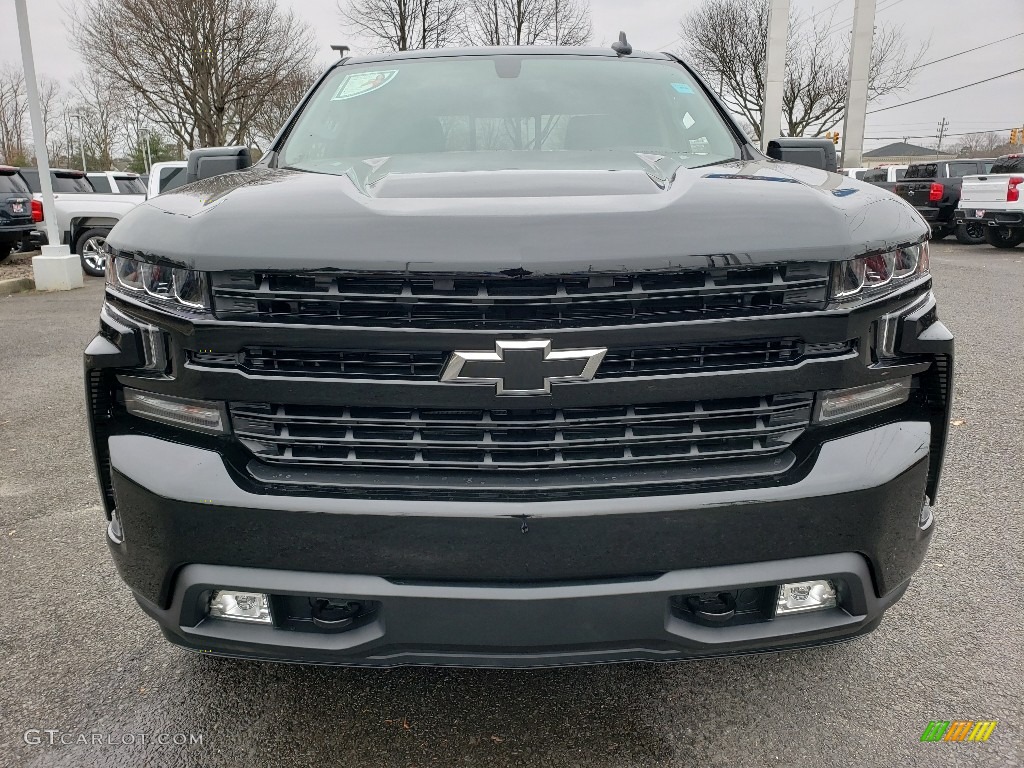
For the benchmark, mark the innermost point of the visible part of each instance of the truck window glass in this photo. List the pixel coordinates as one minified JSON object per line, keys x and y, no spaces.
{"x":100,"y":183}
{"x":31,"y":177}
{"x":922,"y":171}
{"x":480,"y":106}
{"x":171,"y":178}
{"x":64,"y":184}
{"x":1008,"y":165}
{"x":958,"y":170}
{"x":130,"y":185}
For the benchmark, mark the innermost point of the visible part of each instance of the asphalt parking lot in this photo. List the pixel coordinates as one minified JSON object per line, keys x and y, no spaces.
{"x":78,"y":657}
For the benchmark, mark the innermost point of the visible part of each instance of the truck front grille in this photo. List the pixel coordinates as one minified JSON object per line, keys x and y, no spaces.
{"x":423,"y":365}
{"x":516,"y":301}
{"x":533,"y":440}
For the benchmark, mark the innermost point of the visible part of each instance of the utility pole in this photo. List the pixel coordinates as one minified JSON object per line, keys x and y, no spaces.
{"x":56,"y":269}
{"x":943,"y":125}
{"x":857,"y":95}
{"x":775,"y":71}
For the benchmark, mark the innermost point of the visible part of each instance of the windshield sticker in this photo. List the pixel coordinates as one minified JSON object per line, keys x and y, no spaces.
{"x":682,"y":88}
{"x":688,"y":121}
{"x":362,"y":83}
{"x":700,"y":146}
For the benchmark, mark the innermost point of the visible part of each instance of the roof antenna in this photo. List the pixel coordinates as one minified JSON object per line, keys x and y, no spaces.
{"x":340,"y":49}
{"x":622,"y":46}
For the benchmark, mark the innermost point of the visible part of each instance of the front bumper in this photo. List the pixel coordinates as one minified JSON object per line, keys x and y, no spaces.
{"x":596,"y":577}
{"x":530,"y":578}
{"x":524,"y":626}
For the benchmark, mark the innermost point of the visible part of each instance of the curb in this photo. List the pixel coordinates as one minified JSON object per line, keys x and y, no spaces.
{"x":16,"y":285}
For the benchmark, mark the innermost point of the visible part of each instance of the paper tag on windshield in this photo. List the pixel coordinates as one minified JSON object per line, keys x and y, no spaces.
{"x":361,"y":83}
{"x":700,"y":146}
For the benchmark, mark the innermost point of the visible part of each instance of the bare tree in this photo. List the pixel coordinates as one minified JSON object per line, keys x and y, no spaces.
{"x":727,"y":41}
{"x":203,"y":68}
{"x":13,"y":115}
{"x":98,"y":111}
{"x":985,"y":144}
{"x":403,"y":25}
{"x":279,"y":105}
{"x":528,"y":22}
{"x":52,"y":104}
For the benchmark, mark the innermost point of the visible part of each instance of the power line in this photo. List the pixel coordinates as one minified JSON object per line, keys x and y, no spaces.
{"x":943,"y":93}
{"x":824,"y":10}
{"x":961,"y":53}
{"x":932,"y":135}
{"x":839,"y":25}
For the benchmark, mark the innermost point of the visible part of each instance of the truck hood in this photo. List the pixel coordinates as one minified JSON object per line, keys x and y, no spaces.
{"x":601,"y":212}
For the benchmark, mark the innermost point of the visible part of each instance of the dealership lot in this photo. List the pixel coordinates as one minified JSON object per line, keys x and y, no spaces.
{"x":78,"y":658}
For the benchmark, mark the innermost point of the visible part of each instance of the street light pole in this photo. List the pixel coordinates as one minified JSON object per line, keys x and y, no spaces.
{"x":56,"y":269}
{"x":148,"y":156}
{"x":81,"y":139}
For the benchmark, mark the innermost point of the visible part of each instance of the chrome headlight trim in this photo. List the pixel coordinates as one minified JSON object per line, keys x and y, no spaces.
{"x":878,"y":274}
{"x":158,"y":284}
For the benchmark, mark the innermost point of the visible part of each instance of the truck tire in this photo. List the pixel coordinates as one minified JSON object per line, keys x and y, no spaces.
{"x":999,"y":237}
{"x":5,"y":251}
{"x":938,"y":233}
{"x":88,"y":247}
{"x":971,"y":233}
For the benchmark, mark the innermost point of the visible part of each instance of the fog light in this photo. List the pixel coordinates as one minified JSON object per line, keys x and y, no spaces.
{"x":839,"y":404}
{"x":804,"y":596}
{"x":240,"y":606}
{"x":191,"y":414}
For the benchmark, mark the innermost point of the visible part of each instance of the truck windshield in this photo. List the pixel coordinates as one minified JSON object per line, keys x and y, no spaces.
{"x":548,"y":105}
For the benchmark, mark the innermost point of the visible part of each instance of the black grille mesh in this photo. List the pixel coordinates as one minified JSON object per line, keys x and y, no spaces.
{"x":410,"y":365}
{"x":435,"y":300}
{"x":534,"y":440}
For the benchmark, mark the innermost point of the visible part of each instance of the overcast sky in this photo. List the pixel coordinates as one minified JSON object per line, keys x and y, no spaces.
{"x":952,"y":26}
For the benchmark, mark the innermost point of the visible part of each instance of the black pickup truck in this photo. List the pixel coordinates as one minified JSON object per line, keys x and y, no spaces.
{"x":560,"y":369}
{"x":933,"y":188}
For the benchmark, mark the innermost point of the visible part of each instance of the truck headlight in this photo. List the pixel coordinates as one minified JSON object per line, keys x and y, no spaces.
{"x":880,"y":273}
{"x":159,"y":283}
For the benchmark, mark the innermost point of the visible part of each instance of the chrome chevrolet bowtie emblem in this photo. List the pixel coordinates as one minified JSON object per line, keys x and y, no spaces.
{"x":523,"y":367}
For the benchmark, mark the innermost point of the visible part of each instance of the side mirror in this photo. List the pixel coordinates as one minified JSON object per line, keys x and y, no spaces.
{"x":213,"y":161}
{"x":815,"y":153}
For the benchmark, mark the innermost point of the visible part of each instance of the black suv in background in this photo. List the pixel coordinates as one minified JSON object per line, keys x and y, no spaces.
{"x":15,"y":210}
{"x":550,"y":365}
{"x":933,"y":188}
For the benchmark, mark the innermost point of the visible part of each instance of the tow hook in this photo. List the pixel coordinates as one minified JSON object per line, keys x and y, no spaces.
{"x":332,"y":614}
